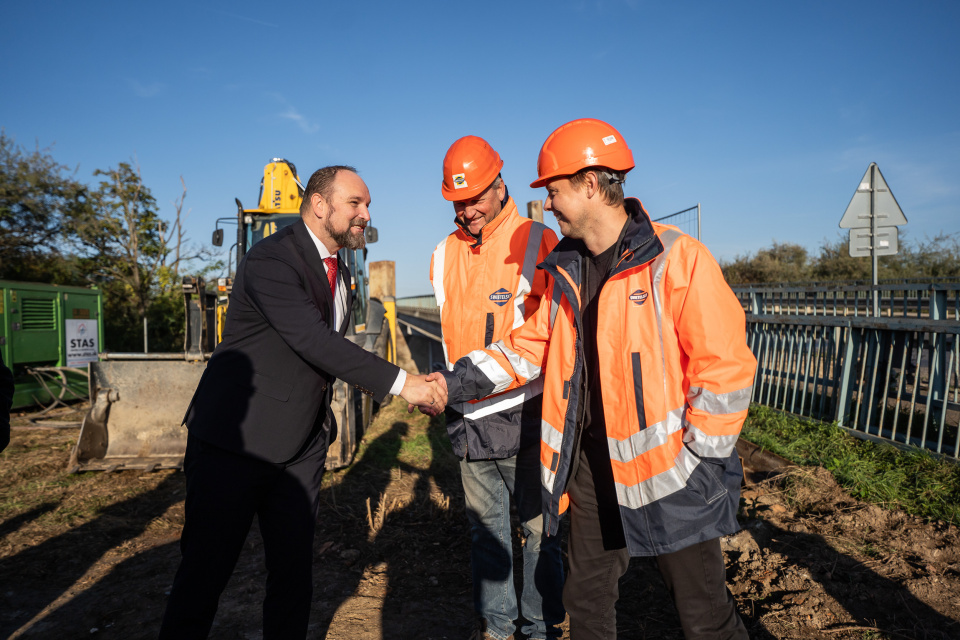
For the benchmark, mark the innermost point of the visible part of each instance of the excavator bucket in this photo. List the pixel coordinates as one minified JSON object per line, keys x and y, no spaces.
{"x":135,"y":417}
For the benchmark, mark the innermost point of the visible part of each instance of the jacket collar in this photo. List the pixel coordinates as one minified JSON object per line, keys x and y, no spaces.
{"x":320,"y":285}
{"x":308,"y":249}
{"x":640,"y":245}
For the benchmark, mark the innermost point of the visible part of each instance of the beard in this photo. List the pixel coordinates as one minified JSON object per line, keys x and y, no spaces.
{"x":346,"y":238}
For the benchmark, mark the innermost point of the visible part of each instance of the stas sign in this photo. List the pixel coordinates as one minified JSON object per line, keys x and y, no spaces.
{"x":81,"y":344}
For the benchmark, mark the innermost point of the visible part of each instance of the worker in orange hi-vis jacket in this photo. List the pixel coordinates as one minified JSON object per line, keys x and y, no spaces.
{"x":486,"y":283}
{"x":647,"y":379}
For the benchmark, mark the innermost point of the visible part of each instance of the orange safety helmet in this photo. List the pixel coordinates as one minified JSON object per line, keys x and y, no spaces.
{"x":470,"y":166}
{"x":578,"y":144}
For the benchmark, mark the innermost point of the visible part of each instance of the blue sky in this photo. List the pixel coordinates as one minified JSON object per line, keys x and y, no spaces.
{"x":766,"y":113}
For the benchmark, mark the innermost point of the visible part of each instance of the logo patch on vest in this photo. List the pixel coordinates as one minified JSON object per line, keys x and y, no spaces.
{"x":501,"y":296}
{"x":459,"y":180}
{"x":638,"y":297}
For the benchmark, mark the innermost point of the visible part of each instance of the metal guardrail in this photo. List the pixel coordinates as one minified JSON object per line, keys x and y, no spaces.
{"x":892,"y":379}
{"x":934,"y":301}
{"x":428,"y":301}
{"x":895,"y":379}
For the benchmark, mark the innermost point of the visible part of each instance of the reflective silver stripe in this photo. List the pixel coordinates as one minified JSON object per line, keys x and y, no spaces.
{"x":660,"y":485}
{"x":709,"y":446}
{"x":502,"y":402}
{"x":667,"y":239}
{"x":526,"y":274}
{"x":523,"y":368}
{"x":547,"y":478}
{"x":555,"y":303}
{"x":492,"y":369}
{"x":439,"y":259}
{"x":646,"y":440}
{"x":551,"y":437}
{"x":439,"y":255}
{"x":719,"y":403}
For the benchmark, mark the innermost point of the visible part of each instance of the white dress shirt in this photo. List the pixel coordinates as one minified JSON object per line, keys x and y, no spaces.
{"x":340,"y":308}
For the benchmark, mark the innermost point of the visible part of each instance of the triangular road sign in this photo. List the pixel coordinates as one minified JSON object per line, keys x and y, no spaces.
{"x":885,"y":207}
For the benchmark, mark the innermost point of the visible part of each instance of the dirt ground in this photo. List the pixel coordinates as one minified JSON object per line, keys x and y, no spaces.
{"x":93,"y":555}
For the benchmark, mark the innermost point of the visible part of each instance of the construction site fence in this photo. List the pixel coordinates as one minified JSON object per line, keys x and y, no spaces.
{"x":888,"y":379}
{"x":687,"y":221}
{"x":926,"y":300}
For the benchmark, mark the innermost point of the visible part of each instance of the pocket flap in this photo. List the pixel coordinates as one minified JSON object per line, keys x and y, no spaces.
{"x":272,"y":387}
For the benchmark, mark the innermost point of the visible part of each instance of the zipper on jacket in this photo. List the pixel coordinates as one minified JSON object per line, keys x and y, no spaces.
{"x":578,"y":368}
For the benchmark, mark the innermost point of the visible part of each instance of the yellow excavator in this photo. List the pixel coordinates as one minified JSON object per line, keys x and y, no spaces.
{"x":138,"y":399}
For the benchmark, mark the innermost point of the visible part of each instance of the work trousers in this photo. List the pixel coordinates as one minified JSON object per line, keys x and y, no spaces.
{"x":488,"y":486}
{"x":695,"y":576}
{"x":224,"y":492}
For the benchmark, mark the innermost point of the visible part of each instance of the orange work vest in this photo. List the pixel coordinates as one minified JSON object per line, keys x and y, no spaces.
{"x":486,"y":287}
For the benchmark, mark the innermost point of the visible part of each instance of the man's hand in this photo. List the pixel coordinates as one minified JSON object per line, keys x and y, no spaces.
{"x":428,"y":393}
{"x":434,"y":410}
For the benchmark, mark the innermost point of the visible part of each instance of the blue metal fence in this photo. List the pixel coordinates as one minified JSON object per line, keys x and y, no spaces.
{"x":894,"y":379}
{"x":936,"y":301}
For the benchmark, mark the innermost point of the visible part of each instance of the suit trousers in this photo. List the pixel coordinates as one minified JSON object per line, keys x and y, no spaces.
{"x":224,"y":492}
{"x":695,"y":576}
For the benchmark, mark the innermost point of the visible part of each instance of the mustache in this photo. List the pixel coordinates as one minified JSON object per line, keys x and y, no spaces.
{"x":359,"y":222}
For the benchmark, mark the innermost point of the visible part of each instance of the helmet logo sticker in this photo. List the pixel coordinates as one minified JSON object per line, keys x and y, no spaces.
{"x":609,"y":139}
{"x":638,"y":297}
{"x":501,"y":296}
{"x":459,"y":181}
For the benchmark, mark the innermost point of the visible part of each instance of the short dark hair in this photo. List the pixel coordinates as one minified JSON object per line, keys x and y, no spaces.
{"x":610,"y":183}
{"x":322,"y":182}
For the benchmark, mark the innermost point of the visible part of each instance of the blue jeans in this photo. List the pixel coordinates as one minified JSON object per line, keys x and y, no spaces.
{"x":487,"y":487}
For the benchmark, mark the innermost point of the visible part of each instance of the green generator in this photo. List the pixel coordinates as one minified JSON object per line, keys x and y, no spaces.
{"x":48,"y":334}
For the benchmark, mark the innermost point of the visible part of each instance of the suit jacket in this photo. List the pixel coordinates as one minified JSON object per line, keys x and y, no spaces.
{"x":269,"y":383}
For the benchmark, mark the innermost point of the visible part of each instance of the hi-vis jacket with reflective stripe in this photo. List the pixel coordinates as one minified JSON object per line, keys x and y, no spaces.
{"x":676,"y":376}
{"x":485,"y":288}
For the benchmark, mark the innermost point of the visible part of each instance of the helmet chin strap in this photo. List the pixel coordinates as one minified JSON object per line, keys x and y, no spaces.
{"x":614,"y":177}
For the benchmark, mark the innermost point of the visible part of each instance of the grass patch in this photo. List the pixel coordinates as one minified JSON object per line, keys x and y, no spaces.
{"x":397,"y":439}
{"x":881,"y":474}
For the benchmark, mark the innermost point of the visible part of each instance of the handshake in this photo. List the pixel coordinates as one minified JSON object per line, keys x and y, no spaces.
{"x":427,"y":393}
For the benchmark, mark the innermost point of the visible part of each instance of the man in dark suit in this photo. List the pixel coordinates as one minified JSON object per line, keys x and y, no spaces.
{"x":259,"y":420}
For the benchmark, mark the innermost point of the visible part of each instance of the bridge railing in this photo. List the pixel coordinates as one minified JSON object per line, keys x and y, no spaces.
{"x":428,"y":301}
{"x":934,"y":301}
{"x":893,"y":379}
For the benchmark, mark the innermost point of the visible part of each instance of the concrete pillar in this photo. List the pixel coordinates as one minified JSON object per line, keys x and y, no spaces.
{"x":383,"y":279}
{"x":535,"y":210}
{"x":383,"y":287}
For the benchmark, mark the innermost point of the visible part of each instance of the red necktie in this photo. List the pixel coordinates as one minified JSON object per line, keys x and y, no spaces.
{"x":331,"y":263}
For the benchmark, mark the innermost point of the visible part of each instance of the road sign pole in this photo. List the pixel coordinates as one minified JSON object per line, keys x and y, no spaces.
{"x":871,"y":204}
{"x":873,"y":239}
